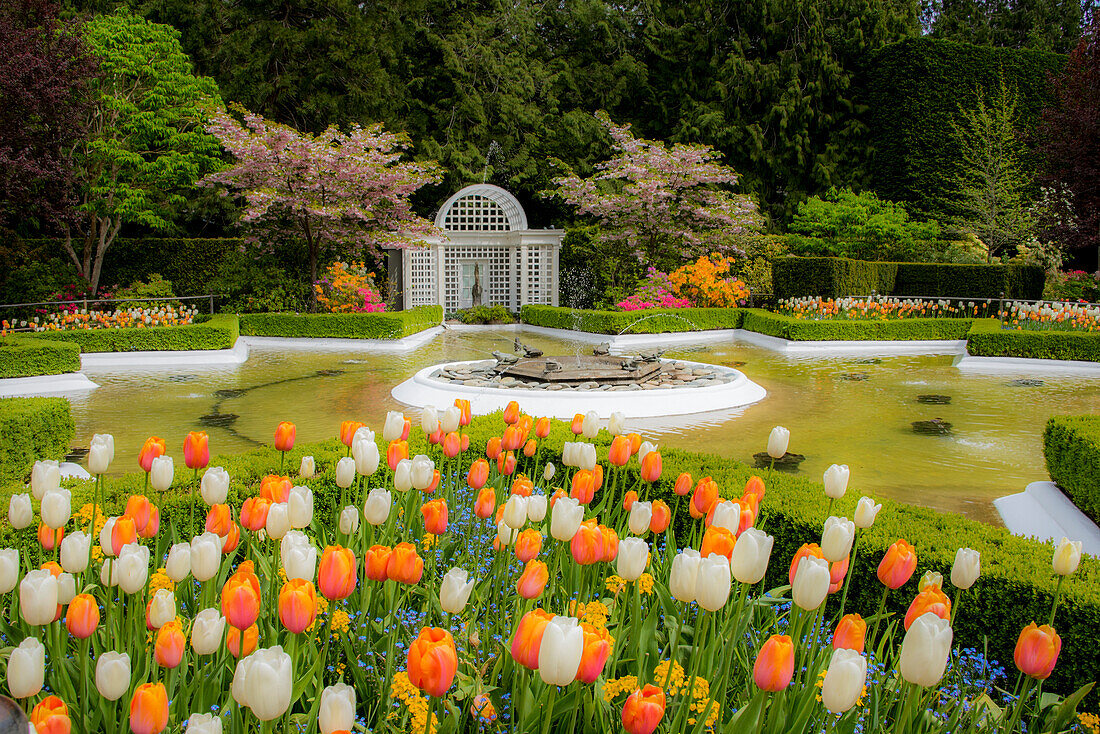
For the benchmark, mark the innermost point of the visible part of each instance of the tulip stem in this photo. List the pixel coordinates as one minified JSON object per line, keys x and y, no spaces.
{"x":548,"y":712}
{"x":431,"y":708}
{"x":1057,"y":598}
{"x":851,"y":572}
{"x":878,"y":617}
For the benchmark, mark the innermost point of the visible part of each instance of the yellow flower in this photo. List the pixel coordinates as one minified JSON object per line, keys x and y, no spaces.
{"x":429,"y":541}
{"x":1089,"y":722}
{"x":615,"y":686}
{"x":615,"y":584}
{"x":160,"y":580}
{"x":340,"y":622}
{"x":645,"y":583}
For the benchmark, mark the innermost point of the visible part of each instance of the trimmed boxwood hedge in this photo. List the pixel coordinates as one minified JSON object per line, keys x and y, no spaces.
{"x":838,"y":277}
{"x":32,"y":429}
{"x":1071,"y":445}
{"x":21,"y":357}
{"x":650,"y":321}
{"x":387,"y":325}
{"x":788,"y":327}
{"x":988,"y":338}
{"x":217,"y":332}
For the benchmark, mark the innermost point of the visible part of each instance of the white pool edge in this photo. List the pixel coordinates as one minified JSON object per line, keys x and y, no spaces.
{"x":45,"y":385}
{"x":1044,"y":513}
{"x":235,"y":355}
{"x":1025,"y":365}
{"x":323,"y":344}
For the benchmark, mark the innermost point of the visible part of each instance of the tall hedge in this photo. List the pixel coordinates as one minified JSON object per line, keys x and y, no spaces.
{"x":915,"y":89}
{"x":32,"y":429}
{"x":1071,"y":446}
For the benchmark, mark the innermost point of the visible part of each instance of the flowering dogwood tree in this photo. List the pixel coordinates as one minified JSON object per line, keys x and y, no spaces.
{"x":660,"y":201}
{"x":342,"y":192}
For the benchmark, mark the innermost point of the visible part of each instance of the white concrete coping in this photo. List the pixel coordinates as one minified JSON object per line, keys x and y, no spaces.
{"x":45,"y":385}
{"x":1026,"y":365}
{"x":235,"y":355}
{"x":619,"y":342}
{"x":1043,"y":512}
{"x":405,"y":344}
{"x":421,"y":389}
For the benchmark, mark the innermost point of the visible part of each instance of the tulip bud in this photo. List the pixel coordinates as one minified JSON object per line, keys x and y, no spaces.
{"x":299,"y":556}
{"x":9,"y":569}
{"x":1066,"y":557}
{"x":536,"y":508}
{"x":930,"y":580}
{"x":402,"y":476}
{"x":774,"y":666}
{"x":268,"y":682}
{"x":450,"y":419}
{"x":345,"y":472}
{"x":548,"y":472}
{"x":844,"y":680}
{"x":591,"y":425}
{"x":206,"y":556}
{"x":811,"y":582}
{"x":204,"y":724}
{"x":207,"y":632}
{"x":836,"y":481}
{"x":214,"y":486}
{"x":162,"y":609}
{"x":586,"y":456}
{"x":641,"y":514}
{"x":349,"y":520}
{"x":632,"y":559}
{"x":1037,"y":651}
{"x":836,"y":539}
{"x":429,"y":419}
{"x":27,"y":668}
{"x":751,"y":553}
{"x":101,"y":452}
{"x":46,"y":475}
{"x":851,"y":633}
{"x":506,"y":535}
{"x":515,"y":511}
{"x":565,"y":518}
{"x":422,"y":472}
{"x":367,"y":458}
{"x":133,"y":567}
{"x":561,"y":649}
{"x":75,"y":548}
{"x":777,"y":442}
{"x":306,"y":470}
{"x":727,"y":514}
{"x":897,"y":564}
{"x":454,"y":591}
{"x":866,"y":511}
{"x":712,"y":584}
{"x":616,"y":424}
{"x":925,"y":649}
{"x":337,"y":712}
{"x":57,"y":508}
{"x":112,"y":674}
{"x":20,"y":513}
{"x":685,"y":573}
{"x":966,"y":569}
{"x":376,"y":510}
{"x":393,"y":427}
{"x":278,"y":520}
{"x":161,"y":472}
{"x":38,"y":597}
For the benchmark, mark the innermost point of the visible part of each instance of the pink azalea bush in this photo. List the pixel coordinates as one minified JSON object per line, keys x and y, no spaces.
{"x":655,"y":291}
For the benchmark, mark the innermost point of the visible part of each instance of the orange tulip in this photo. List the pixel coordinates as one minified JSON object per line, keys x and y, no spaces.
{"x":932,"y":600}
{"x":493,"y":448}
{"x":242,"y":644}
{"x":478,"y":474}
{"x":597,"y":477}
{"x":452,"y":445}
{"x":837,"y":571}
{"x":643,"y":710}
{"x":486,"y":502}
{"x":375,"y":562}
{"x":404,"y":565}
{"x":897,"y":565}
{"x":587,"y":544}
{"x":436,"y":437}
{"x":523,"y":486}
{"x":532,"y":582}
{"x":635,"y":442}
{"x":530,"y":448}
{"x":651,"y":467}
{"x":275,"y":489}
{"x":629,"y":499}
{"x":395,"y":452}
{"x":232,"y":538}
{"x":433,"y":661}
{"x":464,"y":411}
{"x":482,"y":708}
{"x":149,"y":709}
{"x":465,"y":443}
{"x":170,"y":645}
{"x":435,"y":516}
{"x":1037,"y":651}
{"x":123,"y":533}
{"x":542,"y":427}
{"x":82,"y":616}
{"x":528,"y":544}
{"x":717,"y":540}
{"x":755,"y":487}
{"x":774,"y":664}
{"x":807,"y":549}
{"x":297,"y":605}
{"x":582,"y":490}
{"x":528,"y":638}
{"x":597,"y":648}
{"x":511,"y":412}
{"x":284,"y":436}
{"x":218,"y":519}
{"x":662,"y":516}
{"x":683,"y":484}
{"x":619,"y":453}
{"x":347,"y":431}
{"x":577,"y":427}
{"x":151,"y":449}
{"x":506,"y":463}
{"x":559,"y":492}
{"x":196,"y":450}
{"x":512,"y":438}
{"x":850,"y":634}
{"x":153,"y":526}
{"x":436,"y":476}
{"x":241,"y":597}
{"x":336,"y":573}
{"x":610,"y":543}
{"x":50,"y":716}
{"x":706,"y":495}
{"x":254,"y":513}
{"x":525,"y":423}
{"x":405,"y":431}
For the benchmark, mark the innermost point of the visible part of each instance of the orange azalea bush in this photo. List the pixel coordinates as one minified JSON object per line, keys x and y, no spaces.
{"x":707,"y":283}
{"x":348,"y":288}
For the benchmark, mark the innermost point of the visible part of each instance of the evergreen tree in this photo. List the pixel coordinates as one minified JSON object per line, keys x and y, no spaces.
{"x":1045,"y":25}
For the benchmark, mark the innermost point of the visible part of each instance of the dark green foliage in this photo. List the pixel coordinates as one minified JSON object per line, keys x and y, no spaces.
{"x":988,"y":339}
{"x":916,"y":88}
{"x":649,"y":321}
{"x":1071,"y":445}
{"x":190,"y":263}
{"x":795,"y":277}
{"x":388,"y":325}
{"x":788,"y":327}
{"x":25,"y":357}
{"x":1042,"y":25}
{"x":219,"y":332}
{"x":33,"y":429}
{"x":497,"y":314}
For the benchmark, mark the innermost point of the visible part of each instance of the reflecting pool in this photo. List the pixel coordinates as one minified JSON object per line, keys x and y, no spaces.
{"x":854,"y":410}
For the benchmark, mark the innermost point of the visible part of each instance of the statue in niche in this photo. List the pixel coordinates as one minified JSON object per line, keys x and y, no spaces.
{"x":475,"y":289}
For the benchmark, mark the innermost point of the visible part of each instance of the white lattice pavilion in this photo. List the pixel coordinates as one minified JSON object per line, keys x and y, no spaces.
{"x":487,"y":252}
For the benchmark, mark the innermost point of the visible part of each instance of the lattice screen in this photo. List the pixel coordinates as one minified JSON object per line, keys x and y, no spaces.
{"x":476,"y":214}
{"x":421,"y":285}
{"x":498,"y":287}
{"x":540,"y":274}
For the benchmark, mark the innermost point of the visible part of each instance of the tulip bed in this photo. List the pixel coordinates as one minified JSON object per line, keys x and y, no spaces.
{"x":216,"y":332}
{"x":449,"y":592}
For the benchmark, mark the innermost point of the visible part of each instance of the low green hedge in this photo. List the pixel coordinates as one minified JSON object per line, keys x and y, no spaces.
{"x":22,"y":357}
{"x":837,"y":277}
{"x":217,"y":332}
{"x":388,"y":325}
{"x":650,"y":321}
{"x":1071,"y":445}
{"x":788,"y":327}
{"x":988,"y":338}
{"x":32,"y":429}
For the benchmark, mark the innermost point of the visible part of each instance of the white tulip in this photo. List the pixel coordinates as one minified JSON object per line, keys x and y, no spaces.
{"x":1067,"y":556}
{"x":712,"y":583}
{"x":455,"y":590}
{"x":616,"y":424}
{"x":641,"y":513}
{"x":38,"y":597}
{"x":9,"y":569}
{"x":27,"y":668}
{"x":108,"y":572}
{"x":536,"y":507}
{"x":267,"y":682}
{"x":590,"y":427}
{"x":402,"y":476}
{"x":727,"y":514}
{"x":133,"y":567}
{"x":337,"y":709}
{"x":214,"y":486}
{"x":45,"y":475}
{"x":811,"y":582}
{"x":345,"y":472}
{"x":515,"y":511}
{"x":684,"y":575}
{"x":301,"y":507}
{"x":349,"y":520}
{"x":548,"y":472}
{"x":568,"y":453}
{"x":506,"y":535}
{"x":278,"y":520}
{"x":105,"y":543}
{"x":925,"y":649}
{"x":422,"y":472}
{"x":866,"y":511}
{"x":376,"y":510}
{"x":429,"y":419}
{"x":837,"y":538}
{"x":299,"y":556}
{"x":204,"y":724}
{"x":101,"y":452}
{"x":112,"y":674}
{"x":66,"y":587}
{"x":751,"y":552}
{"x":844,"y":680}
{"x":565,"y":518}
{"x":966,"y":569}
{"x":162,"y":609}
{"x":450,"y":419}
{"x":393,"y":427}
{"x":560,"y":651}
{"x":57,"y":508}
{"x":178,"y":566}
{"x":207,"y":632}
{"x":362,"y":433}
{"x":586,"y":456}
{"x":20,"y":513}
{"x":75,"y":548}
{"x":206,"y":556}
{"x":836,"y":481}
{"x":161,"y":472}
{"x":645,"y":448}
{"x":306,"y":470}
{"x":778,"y":441}
{"x":633,"y":556}
{"x":365,"y":453}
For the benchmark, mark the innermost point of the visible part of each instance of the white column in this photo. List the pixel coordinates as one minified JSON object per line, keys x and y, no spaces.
{"x":522,"y":250}
{"x":555,"y":252}
{"x":439,"y":263}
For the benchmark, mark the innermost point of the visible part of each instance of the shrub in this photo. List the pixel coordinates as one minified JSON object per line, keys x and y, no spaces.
{"x":348,"y":288}
{"x":707,"y":283}
{"x":831,"y":277}
{"x":794,"y":329}
{"x":389,"y":325}
{"x":654,"y":291}
{"x":1071,"y":446}
{"x":1076,"y":285}
{"x":33,"y":429}
{"x":153,"y":287}
{"x":25,"y":357}
{"x":654,"y":321}
{"x":495,"y":314}
{"x":219,"y":332}
{"x":989,"y":338}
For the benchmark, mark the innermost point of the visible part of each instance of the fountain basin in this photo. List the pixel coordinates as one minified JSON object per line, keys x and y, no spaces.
{"x":730,"y":388}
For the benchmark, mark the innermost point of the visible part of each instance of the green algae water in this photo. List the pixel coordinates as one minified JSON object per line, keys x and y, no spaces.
{"x":854,"y":410}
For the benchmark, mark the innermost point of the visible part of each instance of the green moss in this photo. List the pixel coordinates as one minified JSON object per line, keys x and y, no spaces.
{"x":32,"y":429}
{"x":1071,"y":445}
{"x":387,"y":325}
{"x":23,"y":357}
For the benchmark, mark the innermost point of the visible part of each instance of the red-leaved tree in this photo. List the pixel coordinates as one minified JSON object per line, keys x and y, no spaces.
{"x":338,"y":192}
{"x":1069,"y":136}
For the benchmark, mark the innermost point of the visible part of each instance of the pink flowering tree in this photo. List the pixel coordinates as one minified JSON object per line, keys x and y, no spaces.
{"x":658,"y":201}
{"x":340,"y":193}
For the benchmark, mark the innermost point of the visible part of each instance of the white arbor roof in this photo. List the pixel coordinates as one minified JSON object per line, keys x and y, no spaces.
{"x":481,"y":208}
